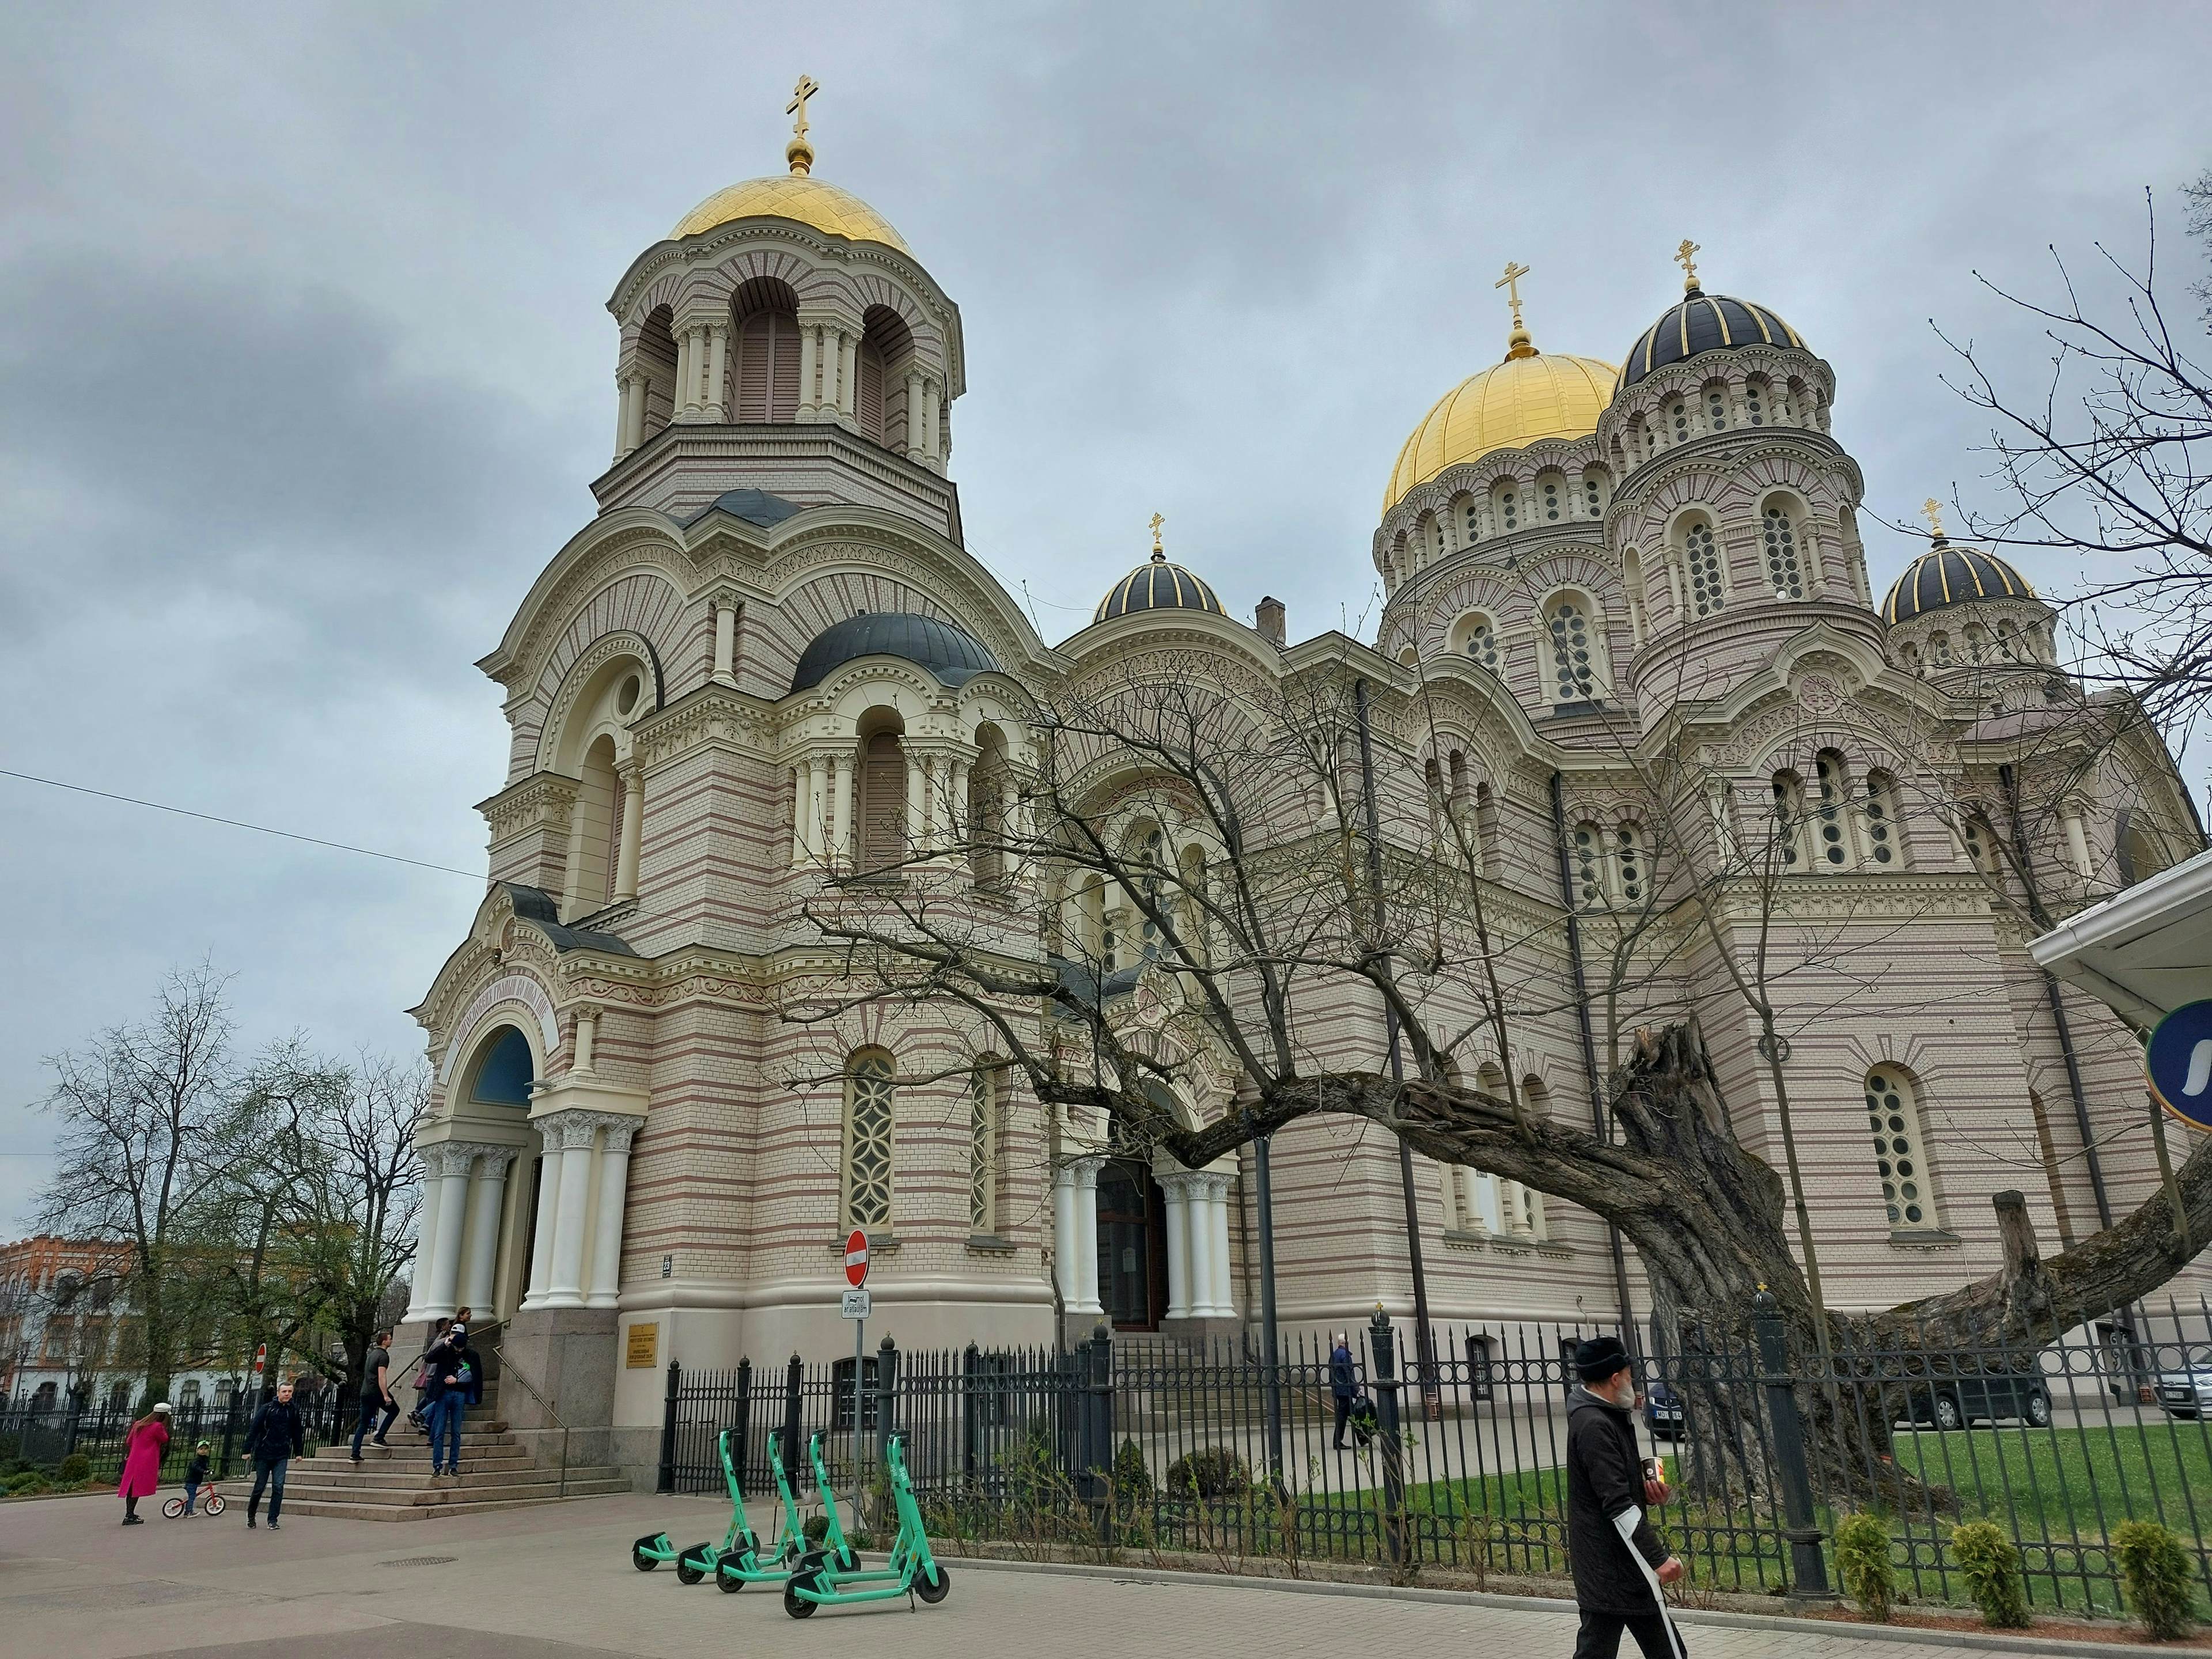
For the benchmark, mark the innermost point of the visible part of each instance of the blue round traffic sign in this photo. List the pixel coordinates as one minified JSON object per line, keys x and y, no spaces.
{"x":2179,"y":1058}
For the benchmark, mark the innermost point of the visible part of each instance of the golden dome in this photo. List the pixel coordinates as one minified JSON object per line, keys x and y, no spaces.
{"x":792,"y":196}
{"x":1528,"y":396}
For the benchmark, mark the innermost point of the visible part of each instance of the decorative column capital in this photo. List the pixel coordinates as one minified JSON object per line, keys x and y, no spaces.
{"x":572,"y":1130}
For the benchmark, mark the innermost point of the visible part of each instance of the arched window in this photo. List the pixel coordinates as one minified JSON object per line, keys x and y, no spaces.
{"x":983,"y":1152}
{"x":1980,"y":843}
{"x":1939,"y":648}
{"x":1506,"y":502}
{"x":1485,"y":828}
{"x":656,"y":355}
{"x":1881,"y":821}
{"x":1783,"y":570}
{"x":1677,"y":420}
{"x":1574,"y":671}
{"x":1151,"y":858}
{"x":1428,"y":539}
{"x":1478,"y":640}
{"x":1754,"y":403}
{"x":1631,"y":582}
{"x":1593,"y":493}
{"x":882,"y":801}
{"x":868,"y":1139}
{"x":1717,"y":418}
{"x":986,"y":807}
{"x":2137,"y":848}
{"x":188,"y":1392}
{"x":766,"y":346}
{"x":1474,"y":520}
{"x":1589,"y":866}
{"x":1901,"y":1154}
{"x":1832,"y":829}
{"x":1628,"y":862}
{"x":879,"y":390}
{"x":1701,"y":554}
{"x":1554,"y":498}
{"x":1789,"y":819}
{"x":595,"y":838}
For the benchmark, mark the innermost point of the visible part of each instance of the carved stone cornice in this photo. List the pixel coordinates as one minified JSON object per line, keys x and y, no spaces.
{"x":542,"y":800}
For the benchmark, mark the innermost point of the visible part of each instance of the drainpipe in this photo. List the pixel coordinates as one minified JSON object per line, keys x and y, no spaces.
{"x":1424,"y":1348}
{"x":1598,"y":1122}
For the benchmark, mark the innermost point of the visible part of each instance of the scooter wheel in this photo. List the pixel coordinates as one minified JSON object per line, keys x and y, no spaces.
{"x":794,"y":1603}
{"x":694,"y":1564}
{"x":848,"y":1561}
{"x":729,"y":1583}
{"x":641,"y":1560}
{"x":932,"y":1583}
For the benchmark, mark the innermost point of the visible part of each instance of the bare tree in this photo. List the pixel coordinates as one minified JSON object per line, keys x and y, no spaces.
{"x":1146,"y":964}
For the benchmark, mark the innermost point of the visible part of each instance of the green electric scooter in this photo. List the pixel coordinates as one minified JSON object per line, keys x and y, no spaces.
{"x":741,"y":1560}
{"x":695,"y":1561}
{"x":819,"y":1582}
{"x":833,"y":1545}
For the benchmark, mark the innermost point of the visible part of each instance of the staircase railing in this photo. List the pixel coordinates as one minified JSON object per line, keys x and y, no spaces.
{"x":506,"y":1364}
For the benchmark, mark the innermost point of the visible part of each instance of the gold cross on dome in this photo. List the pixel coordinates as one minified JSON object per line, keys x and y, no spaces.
{"x":1686,"y":257}
{"x":1511,"y":282}
{"x":807,"y":86}
{"x":1932,"y":510}
{"x":1157,"y":520}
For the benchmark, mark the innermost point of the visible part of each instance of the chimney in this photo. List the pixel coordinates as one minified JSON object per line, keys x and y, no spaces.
{"x":1268,"y":617}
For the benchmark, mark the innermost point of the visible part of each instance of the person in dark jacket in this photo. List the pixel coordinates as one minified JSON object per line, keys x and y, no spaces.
{"x":446,"y":1398}
{"x":276,"y":1435}
{"x":1618,"y":1561}
{"x":1343,"y":1382}
{"x":376,"y":1396}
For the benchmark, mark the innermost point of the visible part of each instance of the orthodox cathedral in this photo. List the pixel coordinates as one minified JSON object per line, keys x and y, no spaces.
{"x":769,"y":646}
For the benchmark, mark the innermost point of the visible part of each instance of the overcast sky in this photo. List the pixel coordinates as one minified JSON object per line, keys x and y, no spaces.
{"x":305,"y":363}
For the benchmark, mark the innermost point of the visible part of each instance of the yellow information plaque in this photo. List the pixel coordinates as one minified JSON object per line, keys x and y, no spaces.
{"x":644,"y":1351}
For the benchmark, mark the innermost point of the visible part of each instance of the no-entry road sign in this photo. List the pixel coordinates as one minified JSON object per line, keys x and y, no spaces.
{"x":856,"y":1258}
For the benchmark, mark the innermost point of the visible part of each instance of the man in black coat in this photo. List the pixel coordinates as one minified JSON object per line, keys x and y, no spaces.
{"x":273,"y":1439}
{"x":1343,"y":1382}
{"x":1618,"y":1562}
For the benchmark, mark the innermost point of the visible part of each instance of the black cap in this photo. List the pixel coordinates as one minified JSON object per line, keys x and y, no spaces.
{"x":1599,"y":1358}
{"x":458,"y":1330}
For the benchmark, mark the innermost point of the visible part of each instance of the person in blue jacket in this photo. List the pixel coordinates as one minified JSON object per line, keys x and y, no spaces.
{"x":1343,"y":1382}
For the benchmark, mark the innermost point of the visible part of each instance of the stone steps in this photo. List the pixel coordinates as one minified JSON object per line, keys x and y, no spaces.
{"x":394,"y":1483}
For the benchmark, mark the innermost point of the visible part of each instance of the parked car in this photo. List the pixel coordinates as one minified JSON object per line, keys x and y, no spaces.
{"x":1967,"y":1389}
{"x":2186,"y":1392}
{"x":1663,"y":1410}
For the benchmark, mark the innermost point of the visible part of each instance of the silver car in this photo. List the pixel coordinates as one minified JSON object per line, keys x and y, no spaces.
{"x":2186,"y":1393}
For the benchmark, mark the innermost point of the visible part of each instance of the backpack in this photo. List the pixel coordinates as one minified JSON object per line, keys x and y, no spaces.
{"x":1365,"y":1424}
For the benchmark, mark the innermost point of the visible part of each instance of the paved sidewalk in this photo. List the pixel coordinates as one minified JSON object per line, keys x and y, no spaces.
{"x":503,"y":1586}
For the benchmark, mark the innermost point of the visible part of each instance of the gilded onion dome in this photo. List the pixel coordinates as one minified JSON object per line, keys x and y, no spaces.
{"x":1531,"y":395}
{"x":1157,"y":585}
{"x":1945,"y":576}
{"x":1704,"y":322}
{"x":797,"y":195}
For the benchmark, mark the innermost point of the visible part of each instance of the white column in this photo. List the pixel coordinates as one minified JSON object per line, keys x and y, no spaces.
{"x":802,"y":791}
{"x":633,"y":823}
{"x":574,"y":1131}
{"x":541,"y":1240}
{"x":913,"y":449}
{"x":917,"y":798}
{"x":718,"y":370}
{"x":623,"y":384}
{"x":687,"y":375}
{"x":1220,"y":1297}
{"x":1176,"y":1190}
{"x":810,"y":355}
{"x":932,"y":425}
{"x":572,"y":881}
{"x":607,"y":1231}
{"x":640,"y":394}
{"x":2077,"y":840}
{"x":848,"y":375}
{"x":955,"y":804}
{"x":486,"y":1204}
{"x":1066,"y":1264}
{"x":453,"y":1162}
{"x":726,"y":641}
{"x":426,"y":1236}
{"x":588,"y":1038}
{"x":1512,"y":1196}
{"x":1086,"y":1235}
{"x":840,"y":808}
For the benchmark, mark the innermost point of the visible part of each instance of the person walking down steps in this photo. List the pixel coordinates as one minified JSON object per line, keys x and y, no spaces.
{"x":142,"y":1450}
{"x":273,"y":1439}
{"x":1617,"y":1559}
{"x":376,"y":1396}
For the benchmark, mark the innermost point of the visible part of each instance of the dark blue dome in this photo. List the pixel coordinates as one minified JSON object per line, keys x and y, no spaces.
{"x":1158,"y":586}
{"x":953,"y":656}
{"x":1946,"y":576}
{"x":1704,"y":322}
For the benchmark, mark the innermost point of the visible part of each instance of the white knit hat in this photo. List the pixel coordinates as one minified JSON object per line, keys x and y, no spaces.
{"x":162,"y":1408}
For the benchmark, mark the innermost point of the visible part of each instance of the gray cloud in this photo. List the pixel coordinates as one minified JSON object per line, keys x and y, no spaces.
{"x":304,"y":363}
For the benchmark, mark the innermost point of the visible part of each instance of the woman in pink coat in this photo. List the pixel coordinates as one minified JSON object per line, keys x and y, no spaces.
{"x":142,"y":1459}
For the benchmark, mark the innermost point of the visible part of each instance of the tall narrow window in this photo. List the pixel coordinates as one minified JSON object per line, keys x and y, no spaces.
{"x":1788,"y":820}
{"x":983,"y":1153}
{"x":1783,"y":569}
{"x":1717,"y":408}
{"x":1880,"y":820}
{"x":1551,"y":499}
{"x":868,"y":1140}
{"x":1474,"y":520}
{"x":1980,"y":844}
{"x":1570,"y":651}
{"x":1893,"y":1116}
{"x":1832,"y":833}
{"x":1148,"y":858}
{"x":1594,"y":494}
{"x":1590,"y":867}
{"x":1704,"y":557}
{"x":1193,"y":922}
{"x":1678,"y":416}
{"x":1628,"y":861}
{"x":1939,"y":648}
{"x":1509,"y":510}
{"x":1754,"y":403}
{"x":883,"y":803}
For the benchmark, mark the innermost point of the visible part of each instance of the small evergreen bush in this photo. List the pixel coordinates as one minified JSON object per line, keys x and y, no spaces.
{"x":2156,"y":1578}
{"x":816,"y":1527}
{"x":1133,"y":1476}
{"x":76,"y":1467}
{"x":1989,"y":1564}
{"x":1207,"y":1472}
{"x":1863,"y":1561}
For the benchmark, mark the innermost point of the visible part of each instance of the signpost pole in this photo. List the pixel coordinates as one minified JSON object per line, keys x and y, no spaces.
{"x":855,"y":1308}
{"x":860,"y":1395}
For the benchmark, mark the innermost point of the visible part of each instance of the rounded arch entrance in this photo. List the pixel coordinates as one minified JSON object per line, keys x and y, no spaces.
{"x":1163,"y":1235}
{"x":474,"y":1227}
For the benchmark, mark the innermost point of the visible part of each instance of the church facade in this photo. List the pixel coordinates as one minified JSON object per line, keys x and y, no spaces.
{"x":769,"y":645}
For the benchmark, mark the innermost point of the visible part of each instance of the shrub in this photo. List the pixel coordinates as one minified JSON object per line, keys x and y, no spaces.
{"x":1133,"y":1476}
{"x":76,"y":1467}
{"x":1989,"y":1564}
{"x":1207,"y":1472}
{"x":1864,"y":1564}
{"x":2156,"y":1577}
{"x":816,"y":1527}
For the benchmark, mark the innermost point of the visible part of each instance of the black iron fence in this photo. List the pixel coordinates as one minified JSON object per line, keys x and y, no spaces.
{"x":41,"y":1434}
{"x":1455,"y":1460}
